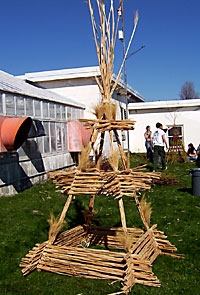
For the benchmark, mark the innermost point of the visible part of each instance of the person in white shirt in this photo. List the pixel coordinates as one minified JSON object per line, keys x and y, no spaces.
{"x":159,"y":143}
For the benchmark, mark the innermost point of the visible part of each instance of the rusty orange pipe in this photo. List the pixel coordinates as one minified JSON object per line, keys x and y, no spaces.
{"x":14,"y":131}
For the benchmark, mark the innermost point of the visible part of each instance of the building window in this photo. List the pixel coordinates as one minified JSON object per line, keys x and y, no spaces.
{"x":65,"y":139}
{"x":37,"y":107}
{"x":46,"y":138}
{"x":29,"y":106}
{"x":69,"y":113}
{"x":175,"y":136}
{"x":59,"y":138}
{"x":45,"y":108}
{"x":73,"y":111}
{"x":63,"y":113}
{"x":53,"y":136}
{"x":10,"y":104}
{"x":58,"y":111}
{"x":52,"y":110}
{"x":40,"y":144}
{"x":19,"y":106}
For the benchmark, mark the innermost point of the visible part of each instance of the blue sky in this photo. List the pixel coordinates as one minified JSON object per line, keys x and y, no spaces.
{"x":38,"y":35}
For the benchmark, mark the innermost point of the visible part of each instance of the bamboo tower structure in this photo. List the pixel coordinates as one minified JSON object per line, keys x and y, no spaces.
{"x":69,"y":252}
{"x":176,"y":150}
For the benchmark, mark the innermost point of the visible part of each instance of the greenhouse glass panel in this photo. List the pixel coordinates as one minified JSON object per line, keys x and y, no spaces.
{"x":58,"y":137}
{"x":58,"y":111}
{"x":20,"y":105}
{"x":37,"y":106}
{"x":52,"y":110}
{"x":65,"y":139}
{"x":29,"y":107}
{"x":46,"y":138}
{"x":40,"y":146}
{"x":73,"y":113}
{"x":77,"y":113}
{"x":10,"y":104}
{"x":63,"y":113}
{"x":21,"y":152}
{"x":53,"y":136}
{"x":45,"y":108}
{"x":69,"y":113}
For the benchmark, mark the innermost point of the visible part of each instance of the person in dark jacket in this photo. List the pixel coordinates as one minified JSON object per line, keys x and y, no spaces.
{"x":191,"y":153}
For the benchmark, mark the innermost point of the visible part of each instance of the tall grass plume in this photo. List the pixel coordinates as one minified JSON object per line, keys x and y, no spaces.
{"x":83,"y":159}
{"x":113,"y":160}
{"x":146,"y":209}
{"x":55,"y":226}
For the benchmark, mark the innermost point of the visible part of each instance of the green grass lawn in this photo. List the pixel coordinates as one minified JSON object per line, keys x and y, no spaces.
{"x":23,"y":222}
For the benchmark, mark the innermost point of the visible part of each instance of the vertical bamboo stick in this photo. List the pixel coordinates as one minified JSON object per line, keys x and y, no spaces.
{"x":140,"y":211}
{"x":98,"y":158}
{"x":58,"y":224}
{"x":64,"y":211}
{"x":123,"y":156}
{"x":122,"y":214}
{"x":111,"y":142}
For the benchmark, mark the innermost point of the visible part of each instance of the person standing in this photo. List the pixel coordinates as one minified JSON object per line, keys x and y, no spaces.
{"x":148,"y":143}
{"x":159,"y":142}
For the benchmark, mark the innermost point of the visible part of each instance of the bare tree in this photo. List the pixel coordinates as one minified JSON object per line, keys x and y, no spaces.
{"x":188,"y":91}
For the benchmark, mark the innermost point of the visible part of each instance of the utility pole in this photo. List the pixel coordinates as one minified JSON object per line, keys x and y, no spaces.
{"x":125,"y":73}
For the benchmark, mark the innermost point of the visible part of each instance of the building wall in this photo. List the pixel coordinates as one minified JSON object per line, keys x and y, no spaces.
{"x":47,"y":146}
{"x":188,"y":118}
{"x":17,"y":175}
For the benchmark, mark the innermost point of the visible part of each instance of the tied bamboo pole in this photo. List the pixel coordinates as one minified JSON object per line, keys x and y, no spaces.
{"x":140,"y":211}
{"x":123,"y":156}
{"x":98,"y":158}
{"x":122,"y":214}
{"x":105,"y":38}
{"x":54,"y":230}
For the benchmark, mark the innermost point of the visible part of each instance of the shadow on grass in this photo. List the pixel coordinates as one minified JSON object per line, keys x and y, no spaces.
{"x":186,"y":190}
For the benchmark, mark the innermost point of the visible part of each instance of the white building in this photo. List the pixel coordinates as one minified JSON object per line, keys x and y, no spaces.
{"x":185,"y":114}
{"x":47,"y":145}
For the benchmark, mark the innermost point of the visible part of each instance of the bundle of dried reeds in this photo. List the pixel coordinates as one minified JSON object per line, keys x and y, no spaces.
{"x":105,"y":38}
{"x":146,"y":209}
{"x":105,"y":110}
{"x":83,"y":159}
{"x":56,"y":224}
{"x":113,"y":159}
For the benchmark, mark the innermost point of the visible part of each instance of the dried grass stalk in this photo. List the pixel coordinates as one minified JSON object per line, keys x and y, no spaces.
{"x":113,"y":160}
{"x":98,"y":110}
{"x":56,"y":224}
{"x":146,"y":209}
{"x":105,"y":37}
{"x":105,"y":110}
{"x":83,"y":159}
{"x":126,"y":239}
{"x":110,"y":110}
